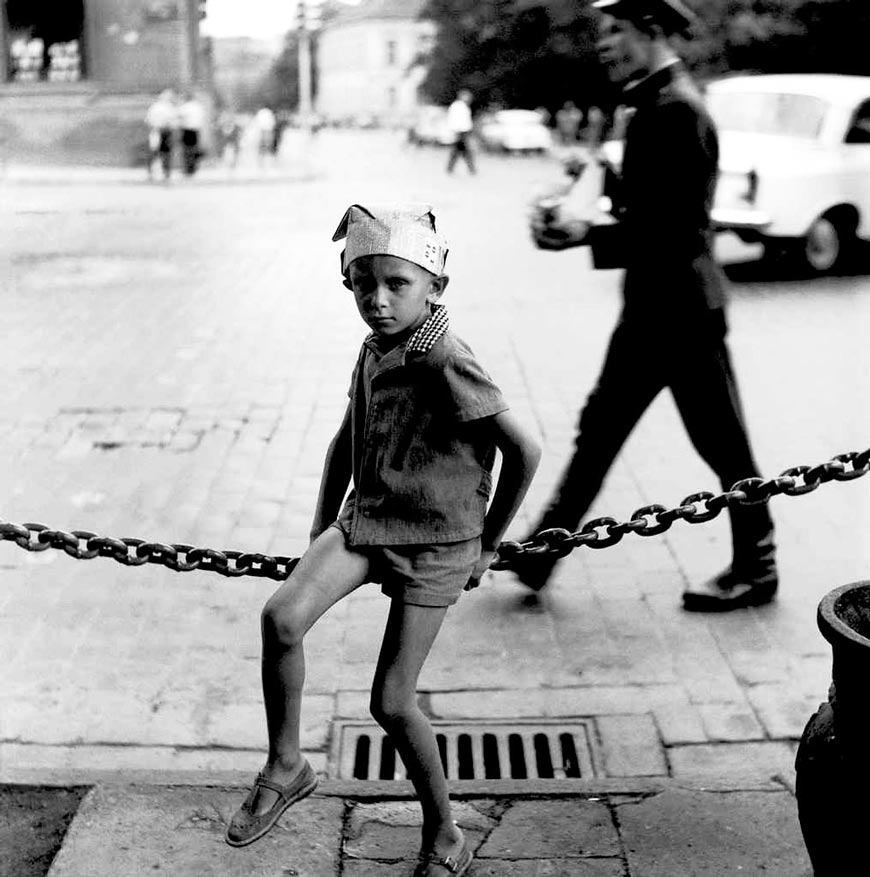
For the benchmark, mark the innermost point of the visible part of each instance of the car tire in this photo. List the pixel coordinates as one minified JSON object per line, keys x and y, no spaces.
{"x":823,"y":246}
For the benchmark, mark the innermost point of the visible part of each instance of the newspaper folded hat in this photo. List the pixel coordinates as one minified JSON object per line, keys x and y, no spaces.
{"x":406,"y":231}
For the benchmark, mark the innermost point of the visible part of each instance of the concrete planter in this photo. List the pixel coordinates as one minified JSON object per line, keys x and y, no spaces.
{"x":833,"y":759}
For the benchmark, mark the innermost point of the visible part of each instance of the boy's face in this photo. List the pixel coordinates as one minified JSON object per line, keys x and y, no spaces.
{"x":394,"y":296}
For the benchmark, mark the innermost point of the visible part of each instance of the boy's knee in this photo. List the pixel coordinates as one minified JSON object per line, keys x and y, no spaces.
{"x":389,"y":708}
{"x":280,"y":625}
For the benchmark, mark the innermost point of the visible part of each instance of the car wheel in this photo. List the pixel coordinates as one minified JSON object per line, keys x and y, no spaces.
{"x":823,"y":246}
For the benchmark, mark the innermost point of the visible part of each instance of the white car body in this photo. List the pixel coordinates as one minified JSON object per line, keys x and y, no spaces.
{"x":431,"y":127}
{"x":515,"y":131}
{"x":788,"y":171}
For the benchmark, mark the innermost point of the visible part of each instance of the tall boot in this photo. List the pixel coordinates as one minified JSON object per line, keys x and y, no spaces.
{"x":752,"y":578}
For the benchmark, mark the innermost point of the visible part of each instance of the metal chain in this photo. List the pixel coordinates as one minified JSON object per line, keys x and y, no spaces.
{"x":697,"y":508}
{"x":84,"y":545}
{"x":650,"y":520}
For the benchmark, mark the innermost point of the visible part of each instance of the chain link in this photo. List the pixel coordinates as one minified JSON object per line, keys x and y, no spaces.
{"x":649,"y":520}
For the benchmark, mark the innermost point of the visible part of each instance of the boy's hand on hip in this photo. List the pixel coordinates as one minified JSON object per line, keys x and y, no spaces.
{"x":482,"y":565}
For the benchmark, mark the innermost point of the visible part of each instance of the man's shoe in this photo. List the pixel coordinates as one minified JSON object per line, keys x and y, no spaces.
{"x":732,"y":590}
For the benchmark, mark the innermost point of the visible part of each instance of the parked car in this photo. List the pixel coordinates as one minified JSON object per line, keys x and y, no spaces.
{"x":794,"y":162}
{"x":514,"y":131}
{"x":430,"y":127}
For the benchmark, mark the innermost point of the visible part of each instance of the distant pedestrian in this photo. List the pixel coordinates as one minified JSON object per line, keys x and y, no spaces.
{"x":544,"y":115}
{"x":674,"y":300}
{"x":230,"y":135}
{"x":594,"y":128}
{"x":192,"y":116}
{"x":264,"y":123}
{"x":568,"y":121}
{"x":282,"y":121}
{"x":162,"y":122}
{"x":460,"y":125}
{"x":418,"y":442}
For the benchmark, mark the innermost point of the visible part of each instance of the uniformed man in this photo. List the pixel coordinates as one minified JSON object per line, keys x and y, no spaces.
{"x":672,"y":329}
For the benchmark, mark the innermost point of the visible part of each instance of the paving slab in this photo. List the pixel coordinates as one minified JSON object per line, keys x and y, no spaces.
{"x":390,"y":831}
{"x":180,"y":831}
{"x":562,"y":828}
{"x":548,"y":868}
{"x":681,"y":833}
{"x":502,"y":868}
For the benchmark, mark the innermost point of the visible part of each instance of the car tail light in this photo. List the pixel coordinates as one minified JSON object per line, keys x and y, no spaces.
{"x":751,"y":187}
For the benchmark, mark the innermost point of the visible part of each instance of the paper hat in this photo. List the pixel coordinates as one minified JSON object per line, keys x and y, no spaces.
{"x":406,"y":231}
{"x":672,"y":16}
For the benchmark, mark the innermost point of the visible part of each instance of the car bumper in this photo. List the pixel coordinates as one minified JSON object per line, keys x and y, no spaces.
{"x":526,"y":146}
{"x":740,"y":219}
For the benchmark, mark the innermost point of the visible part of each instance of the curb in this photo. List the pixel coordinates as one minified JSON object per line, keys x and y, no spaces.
{"x":27,"y":175}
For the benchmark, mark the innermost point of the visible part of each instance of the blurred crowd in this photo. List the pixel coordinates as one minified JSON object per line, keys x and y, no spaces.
{"x":183,"y":129}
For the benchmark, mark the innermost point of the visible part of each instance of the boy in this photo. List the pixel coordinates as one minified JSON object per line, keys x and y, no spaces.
{"x":418,"y":441}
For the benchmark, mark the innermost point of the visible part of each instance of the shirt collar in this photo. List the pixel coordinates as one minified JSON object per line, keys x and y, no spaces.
{"x":637,"y":90}
{"x":424,"y":339}
{"x":426,"y":336}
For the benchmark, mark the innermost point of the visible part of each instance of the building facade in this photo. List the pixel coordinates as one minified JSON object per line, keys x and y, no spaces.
{"x":76,"y":77}
{"x":368,"y":62}
{"x":240,"y":64}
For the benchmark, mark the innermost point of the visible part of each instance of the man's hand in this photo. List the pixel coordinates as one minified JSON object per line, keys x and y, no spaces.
{"x":552,"y":230}
{"x":560,"y":237}
{"x":556,"y":226}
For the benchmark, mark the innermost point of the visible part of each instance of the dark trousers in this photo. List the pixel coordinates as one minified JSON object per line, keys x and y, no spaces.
{"x":696,"y":367}
{"x":162,"y":151}
{"x":190,"y":149}
{"x":461,"y":146}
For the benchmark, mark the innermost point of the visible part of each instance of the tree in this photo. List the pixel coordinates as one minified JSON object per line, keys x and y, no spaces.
{"x":279,"y":88}
{"x":512,"y":53}
{"x":529,"y":53}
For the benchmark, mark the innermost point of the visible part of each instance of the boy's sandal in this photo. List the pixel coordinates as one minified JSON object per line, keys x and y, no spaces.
{"x":246,"y":826}
{"x":457,"y":865}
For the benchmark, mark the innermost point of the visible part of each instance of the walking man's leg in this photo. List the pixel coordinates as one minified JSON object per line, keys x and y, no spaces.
{"x":454,"y":154}
{"x":628,"y":383}
{"x":709,"y":403}
{"x":469,"y":154}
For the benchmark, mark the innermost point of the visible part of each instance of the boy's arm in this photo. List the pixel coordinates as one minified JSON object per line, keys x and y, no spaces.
{"x":337,"y":471}
{"x":520,"y":456}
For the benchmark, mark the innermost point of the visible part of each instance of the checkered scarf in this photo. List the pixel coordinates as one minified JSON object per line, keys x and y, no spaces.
{"x":423,"y":340}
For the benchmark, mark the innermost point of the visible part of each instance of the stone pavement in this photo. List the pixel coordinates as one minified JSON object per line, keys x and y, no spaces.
{"x":175,"y":360}
{"x":655,"y":832}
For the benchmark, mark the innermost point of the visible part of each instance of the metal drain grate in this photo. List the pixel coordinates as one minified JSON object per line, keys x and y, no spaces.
{"x":473,"y":751}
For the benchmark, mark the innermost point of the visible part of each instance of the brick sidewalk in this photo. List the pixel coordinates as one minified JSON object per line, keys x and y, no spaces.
{"x":177,"y":360}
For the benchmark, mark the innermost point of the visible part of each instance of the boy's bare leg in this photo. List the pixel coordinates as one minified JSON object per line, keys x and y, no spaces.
{"x":408,"y":637}
{"x":327,"y":572}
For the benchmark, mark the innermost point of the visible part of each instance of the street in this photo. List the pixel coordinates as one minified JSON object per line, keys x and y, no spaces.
{"x":175,"y":361}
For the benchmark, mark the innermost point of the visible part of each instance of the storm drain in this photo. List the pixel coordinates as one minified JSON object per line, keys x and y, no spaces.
{"x":473,"y":751}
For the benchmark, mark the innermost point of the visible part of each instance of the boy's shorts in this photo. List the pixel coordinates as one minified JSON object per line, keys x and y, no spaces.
{"x":421,"y":575}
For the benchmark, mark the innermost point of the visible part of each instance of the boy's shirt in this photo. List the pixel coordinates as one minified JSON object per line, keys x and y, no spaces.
{"x":422,"y":449}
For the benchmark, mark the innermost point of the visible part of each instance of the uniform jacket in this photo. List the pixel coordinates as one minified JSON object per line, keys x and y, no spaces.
{"x":422,"y":448}
{"x":663,"y":198}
